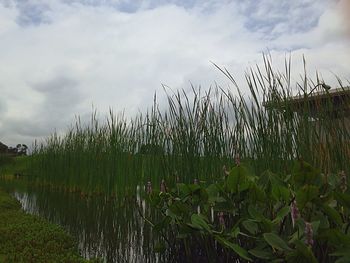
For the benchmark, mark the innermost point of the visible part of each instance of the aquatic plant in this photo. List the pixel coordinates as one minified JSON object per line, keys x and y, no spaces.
{"x":297,"y":217}
{"x":197,"y":134}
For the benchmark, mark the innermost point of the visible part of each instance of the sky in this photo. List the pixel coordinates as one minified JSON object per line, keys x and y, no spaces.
{"x":60,"y":59}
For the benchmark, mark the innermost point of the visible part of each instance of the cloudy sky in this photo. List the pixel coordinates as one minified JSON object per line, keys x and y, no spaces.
{"x":60,"y":58}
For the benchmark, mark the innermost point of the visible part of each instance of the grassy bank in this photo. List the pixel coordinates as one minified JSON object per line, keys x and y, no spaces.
{"x":28,"y":238}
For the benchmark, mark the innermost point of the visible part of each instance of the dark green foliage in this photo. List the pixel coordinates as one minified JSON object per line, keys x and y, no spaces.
{"x":272,"y":218}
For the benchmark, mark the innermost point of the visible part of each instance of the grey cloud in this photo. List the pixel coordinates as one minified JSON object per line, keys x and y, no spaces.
{"x":119,"y":60}
{"x":274,"y":18}
{"x":30,"y":12}
{"x":3,"y":107}
{"x":61,"y":97}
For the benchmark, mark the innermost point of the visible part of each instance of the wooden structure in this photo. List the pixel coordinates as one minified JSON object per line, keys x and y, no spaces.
{"x":3,"y":148}
{"x":333,"y":102}
{"x":329,"y":111}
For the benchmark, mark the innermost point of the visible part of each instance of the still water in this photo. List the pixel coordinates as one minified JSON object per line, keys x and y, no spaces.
{"x":104,"y":227}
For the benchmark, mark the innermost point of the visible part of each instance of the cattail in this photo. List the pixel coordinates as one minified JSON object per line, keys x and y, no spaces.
{"x":163,"y":187}
{"x":308,"y":234}
{"x":149,"y":188}
{"x":221,"y":219}
{"x":226,"y":172}
{"x":343,"y":181}
{"x":294,"y":211}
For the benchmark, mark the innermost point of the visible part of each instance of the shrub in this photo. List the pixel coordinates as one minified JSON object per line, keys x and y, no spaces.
{"x":300,"y":217}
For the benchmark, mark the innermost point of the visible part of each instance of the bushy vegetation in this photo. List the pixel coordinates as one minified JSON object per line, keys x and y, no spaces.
{"x":299,"y":217}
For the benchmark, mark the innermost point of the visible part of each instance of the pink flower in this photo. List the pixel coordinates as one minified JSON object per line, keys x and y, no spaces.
{"x":294,"y":211}
{"x":309,"y":234}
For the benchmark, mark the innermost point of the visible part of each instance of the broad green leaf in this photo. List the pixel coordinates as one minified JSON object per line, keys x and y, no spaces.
{"x":315,"y":227}
{"x":344,"y":255}
{"x":332,"y":214}
{"x":212,"y":191}
{"x":203,"y":195}
{"x":251,"y":226}
{"x":280,"y":192}
{"x":236,"y":248}
{"x":235,"y":232}
{"x":306,"y":194}
{"x":238,"y":179}
{"x":322,"y":219}
{"x":254,"y":213}
{"x":225,"y":206}
{"x":184,"y":190}
{"x":304,"y":173}
{"x":335,"y":237}
{"x":268,"y":179}
{"x":256,"y":193}
{"x":155,"y":199}
{"x":200,"y":222}
{"x":276,"y":242}
{"x":343,"y":199}
{"x":259,"y":253}
{"x":179,"y":208}
{"x":194,"y":187}
{"x":281,"y":214}
{"x":305,"y":251}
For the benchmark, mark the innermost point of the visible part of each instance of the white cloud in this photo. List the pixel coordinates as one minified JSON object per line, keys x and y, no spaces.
{"x":60,"y":57}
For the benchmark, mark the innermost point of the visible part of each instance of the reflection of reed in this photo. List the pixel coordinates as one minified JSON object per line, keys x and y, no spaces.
{"x":111,"y":229}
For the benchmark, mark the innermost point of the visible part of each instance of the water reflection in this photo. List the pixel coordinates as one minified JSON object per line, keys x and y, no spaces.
{"x":105,"y":227}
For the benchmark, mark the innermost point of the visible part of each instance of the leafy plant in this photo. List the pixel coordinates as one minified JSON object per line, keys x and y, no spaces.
{"x":300,"y":217}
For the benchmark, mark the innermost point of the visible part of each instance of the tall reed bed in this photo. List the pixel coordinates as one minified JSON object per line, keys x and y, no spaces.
{"x":197,"y":134}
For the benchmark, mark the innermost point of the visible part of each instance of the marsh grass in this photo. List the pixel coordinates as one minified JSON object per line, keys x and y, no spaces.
{"x":196,"y":135}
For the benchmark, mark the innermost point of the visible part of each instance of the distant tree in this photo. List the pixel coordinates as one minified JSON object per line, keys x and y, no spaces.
{"x":24,"y":149}
{"x":21,"y":149}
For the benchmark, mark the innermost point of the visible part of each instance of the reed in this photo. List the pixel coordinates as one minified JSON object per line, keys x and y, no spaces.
{"x":196,"y":136}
